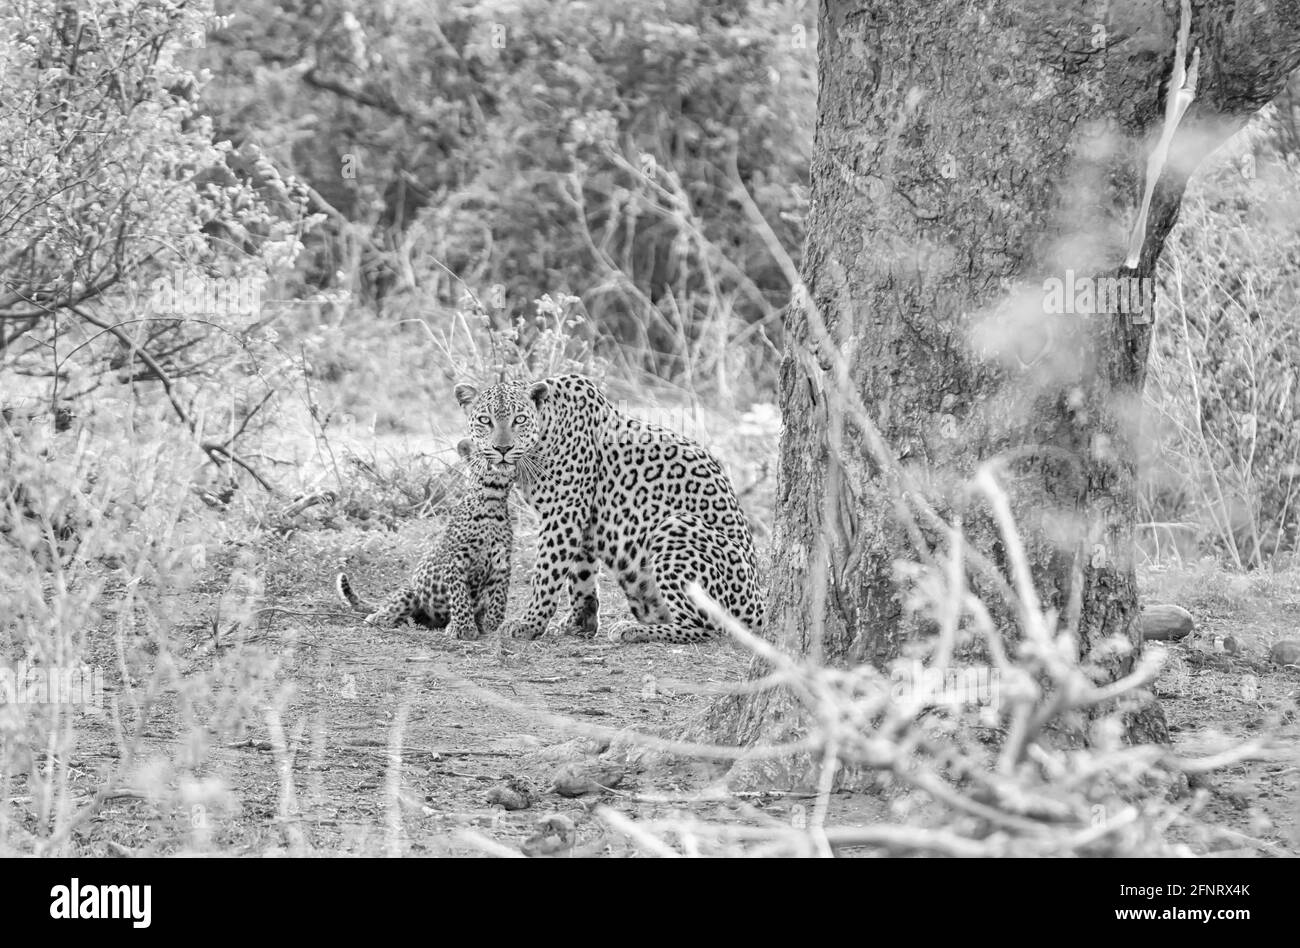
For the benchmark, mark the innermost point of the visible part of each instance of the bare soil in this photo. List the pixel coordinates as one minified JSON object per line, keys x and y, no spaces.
{"x":397,"y":741}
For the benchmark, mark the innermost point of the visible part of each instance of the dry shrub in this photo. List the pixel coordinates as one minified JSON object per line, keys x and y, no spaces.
{"x":102,"y":545}
{"x":1223,"y":459}
{"x":1023,"y":758}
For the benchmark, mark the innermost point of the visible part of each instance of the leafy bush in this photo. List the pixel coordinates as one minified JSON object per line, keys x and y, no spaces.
{"x":137,"y":249}
{"x":614,"y":151}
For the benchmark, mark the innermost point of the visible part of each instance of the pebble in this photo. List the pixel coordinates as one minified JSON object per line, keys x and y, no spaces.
{"x":1166,"y":623}
{"x":555,"y":834}
{"x":511,"y":793}
{"x":576,"y":778}
{"x":1286,"y":652}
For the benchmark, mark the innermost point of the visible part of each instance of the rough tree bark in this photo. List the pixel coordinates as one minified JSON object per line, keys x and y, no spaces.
{"x":965,"y":153}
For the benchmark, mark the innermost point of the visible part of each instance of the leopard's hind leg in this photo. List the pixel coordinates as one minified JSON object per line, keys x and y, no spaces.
{"x":408,"y":604}
{"x":679,"y":551}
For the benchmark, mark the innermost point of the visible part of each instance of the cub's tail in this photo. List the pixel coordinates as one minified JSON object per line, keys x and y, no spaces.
{"x":346,"y":593}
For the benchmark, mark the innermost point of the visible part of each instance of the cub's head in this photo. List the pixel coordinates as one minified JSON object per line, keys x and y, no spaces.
{"x":504,"y":420}
{"x":484,"y":473}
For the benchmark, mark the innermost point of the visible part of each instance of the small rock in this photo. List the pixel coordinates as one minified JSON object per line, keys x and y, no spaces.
{"x":509,"y":799}
{"x":556,"y":834}
{"x":571,"y":780}
{"x":1231,"y":645}
{"x":574,"y":750}
{"x":1166,"y":623}
{"x":1286,"y":652}
{"x":512,"y":793}
{"x":575,"y":779}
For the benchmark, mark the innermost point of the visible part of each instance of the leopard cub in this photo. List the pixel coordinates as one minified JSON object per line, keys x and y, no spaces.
{"x":463,"y":583}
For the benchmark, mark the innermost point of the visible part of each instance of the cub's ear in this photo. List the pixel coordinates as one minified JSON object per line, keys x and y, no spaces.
{"x":539,"y":392}
{"x":465,"y":393}
{"x":465,"y":448}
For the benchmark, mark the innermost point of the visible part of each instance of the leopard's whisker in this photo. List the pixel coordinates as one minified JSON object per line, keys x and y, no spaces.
{"x":535,"y":465}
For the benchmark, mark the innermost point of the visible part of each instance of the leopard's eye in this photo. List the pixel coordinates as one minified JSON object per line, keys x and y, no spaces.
{"x":520,"y":419}
{"x":485,"y":419}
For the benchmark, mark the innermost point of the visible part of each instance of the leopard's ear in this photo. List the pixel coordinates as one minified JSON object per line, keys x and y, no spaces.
{"x":465,"y":448}
{"x":465,"y":393}
{"x":539,"y":392}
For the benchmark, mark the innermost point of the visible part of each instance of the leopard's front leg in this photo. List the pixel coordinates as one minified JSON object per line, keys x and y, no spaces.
{"x":584,"y":600}
{"x":492,"y":597}
{"x":558,"y":546}
{"x":460,"y":603}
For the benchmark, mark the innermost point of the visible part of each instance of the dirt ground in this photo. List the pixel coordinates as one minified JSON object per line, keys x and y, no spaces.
{"x":311,"y":769}
{"x":1218,"y":683}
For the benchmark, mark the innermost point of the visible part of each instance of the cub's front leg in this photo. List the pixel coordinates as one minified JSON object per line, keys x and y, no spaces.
{"x":461,"y":605}
{"x":492,"y":598}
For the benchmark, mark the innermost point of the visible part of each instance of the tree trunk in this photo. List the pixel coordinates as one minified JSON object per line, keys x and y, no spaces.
{"x":965,"y":154}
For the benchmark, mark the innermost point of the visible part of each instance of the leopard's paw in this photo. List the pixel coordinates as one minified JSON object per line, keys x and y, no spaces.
{"x":583,"y":625}
{"x":463,"y":630}
{"x":518,"y":629}
{"x":628,"y":630}
{"x":386,"y":620}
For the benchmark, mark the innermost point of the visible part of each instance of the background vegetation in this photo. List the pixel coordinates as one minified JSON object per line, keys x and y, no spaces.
{"x":248,"y":250}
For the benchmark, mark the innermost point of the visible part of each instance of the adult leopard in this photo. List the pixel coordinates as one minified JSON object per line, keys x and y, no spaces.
{"x":652,"y":505}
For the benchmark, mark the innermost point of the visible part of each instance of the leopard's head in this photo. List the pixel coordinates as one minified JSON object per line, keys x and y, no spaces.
{"x":505,"y":420}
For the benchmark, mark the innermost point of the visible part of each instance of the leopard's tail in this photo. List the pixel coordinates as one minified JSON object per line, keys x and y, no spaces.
{"x":346,"y":593}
